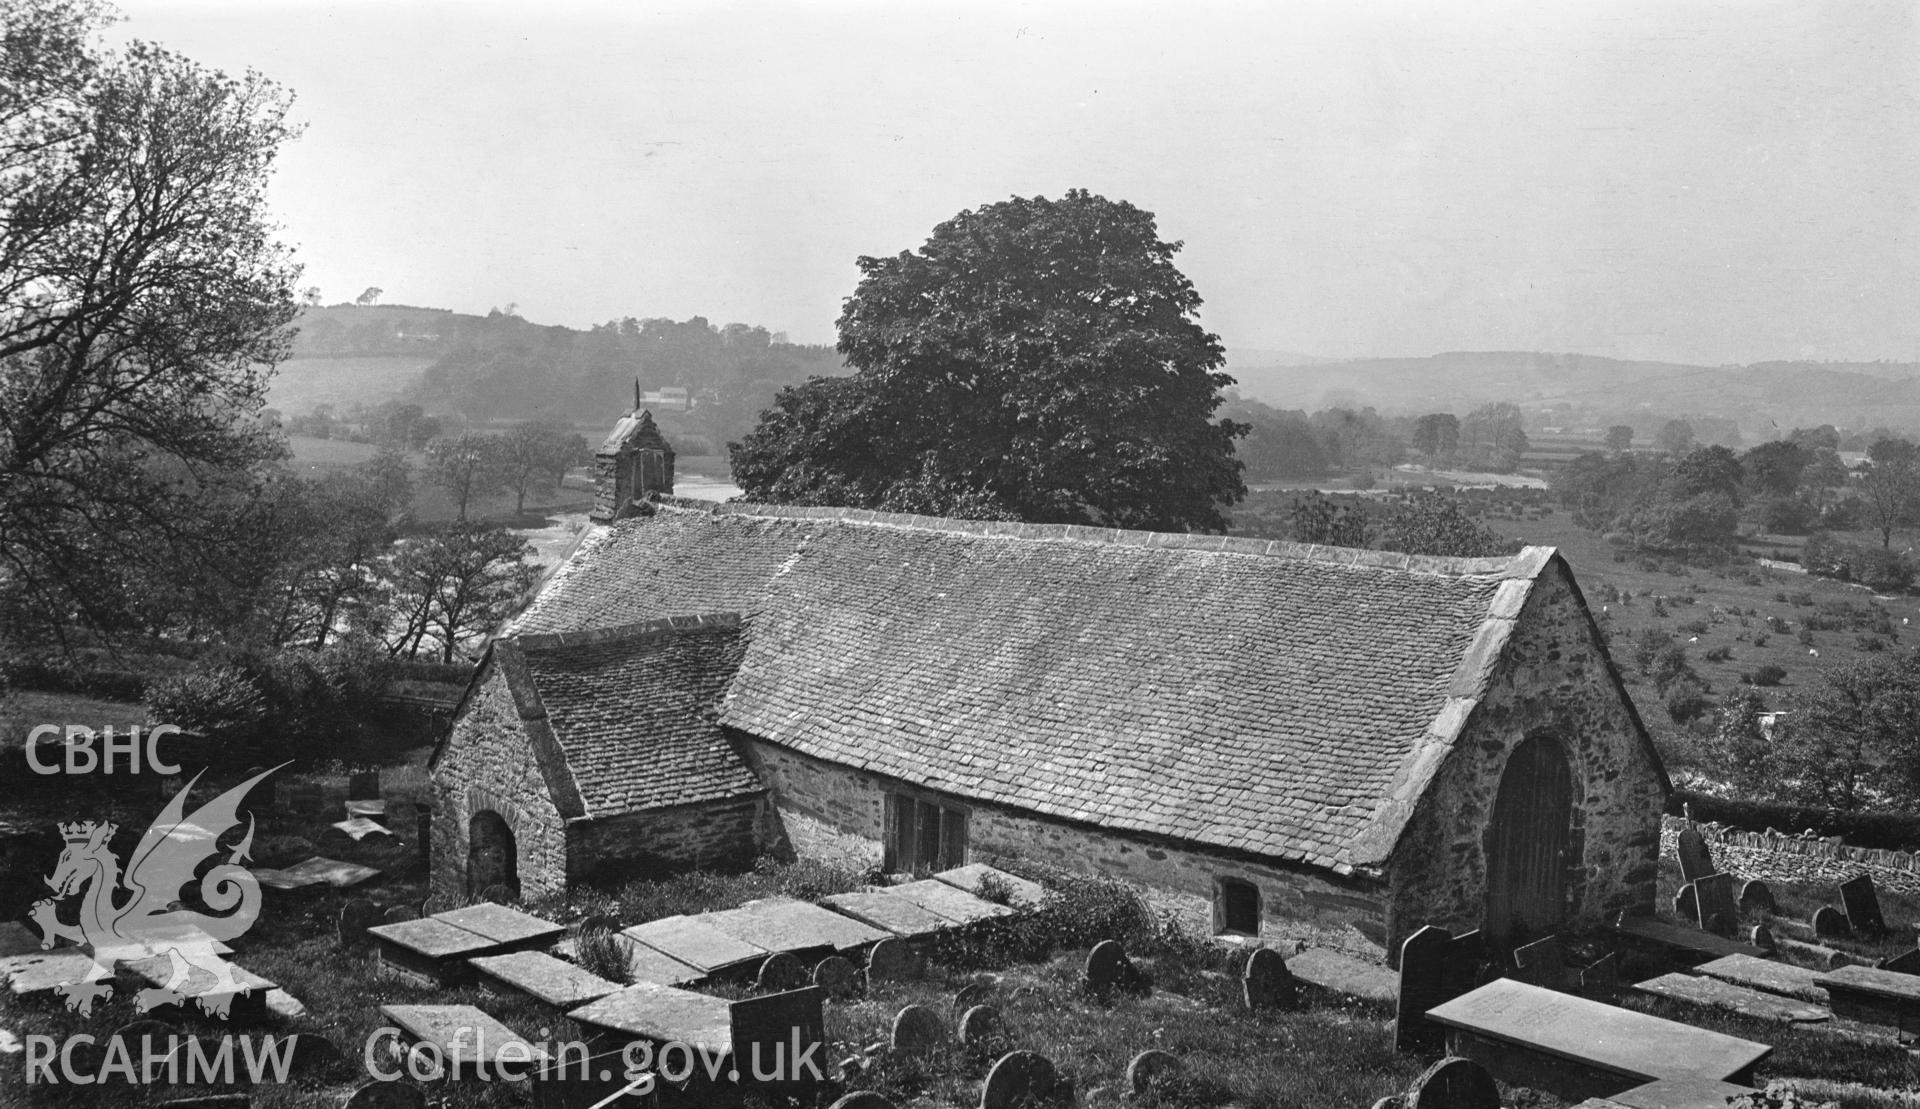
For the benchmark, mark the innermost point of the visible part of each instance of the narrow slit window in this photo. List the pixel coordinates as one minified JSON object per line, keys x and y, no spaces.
{"x":1237,"y":905}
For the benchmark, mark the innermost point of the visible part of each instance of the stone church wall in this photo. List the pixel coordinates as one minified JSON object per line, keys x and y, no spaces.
{"x":489,"y":765}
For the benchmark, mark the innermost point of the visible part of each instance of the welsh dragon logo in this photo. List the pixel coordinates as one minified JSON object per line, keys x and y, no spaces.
{"x":137,"y":914}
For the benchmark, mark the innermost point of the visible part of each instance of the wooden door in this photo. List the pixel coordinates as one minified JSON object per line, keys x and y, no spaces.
{"x":1529,"y":844}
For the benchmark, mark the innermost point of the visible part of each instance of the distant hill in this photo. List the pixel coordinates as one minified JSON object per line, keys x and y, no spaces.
{"x":1761,"y":395}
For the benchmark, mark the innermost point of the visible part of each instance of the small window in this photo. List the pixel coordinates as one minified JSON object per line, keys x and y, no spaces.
{"x":1236,"y":907}
{"x":923,"y":837}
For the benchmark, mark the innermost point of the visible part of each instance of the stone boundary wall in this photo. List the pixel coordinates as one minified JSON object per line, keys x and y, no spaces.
{"x":1796,"y":859}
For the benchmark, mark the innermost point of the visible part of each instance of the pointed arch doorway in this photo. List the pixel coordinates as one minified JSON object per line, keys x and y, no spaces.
{"x":1530,"y":844}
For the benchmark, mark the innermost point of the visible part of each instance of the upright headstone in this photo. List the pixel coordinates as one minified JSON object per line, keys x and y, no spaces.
{"x":397,"y":914}
{"x":837,"y":976}
{"x":1761,"y":937}
{"x":1696,"y":861}
{"x":1601,"y":979}
{"x":1862,"y":906}
{"x":1267,"y":983}
{"x":305,"y":799}
{"x":917,"y":1030}
{"x":1019,"y":1077}
{"x":1756,"y":897}
{"x":1686,"y":904}
{"x":314,"y":1053}
{"x":1829,"y":921}
{"x":423,"y":829}
{"x":1467,"y":967}
{"x":1718,"y":912}
{"x":971,"y":994}
{"x":1149,"y":1067}
{"x":1108,"y":968}
{"x":1425,"y":983}
{"x":364,"y":786}
{"x":1907,"y":962}
{"x":862,"y":1099}
{"x":890,"y":960}
{"x":1454,"y":1083}
{"x":781,"y":971}
{"x":981,"y":1026}
{"x":356,"y":916}
{"x":1542,"y":963}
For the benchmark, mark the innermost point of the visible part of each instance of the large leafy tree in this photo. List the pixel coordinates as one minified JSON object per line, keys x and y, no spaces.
{"x":142,"y":299}
{"x":1035,"y":359}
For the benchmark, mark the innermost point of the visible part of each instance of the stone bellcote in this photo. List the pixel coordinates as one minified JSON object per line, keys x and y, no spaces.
{"x":635,"y":462}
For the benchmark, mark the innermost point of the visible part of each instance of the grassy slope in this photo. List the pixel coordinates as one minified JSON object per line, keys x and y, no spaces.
{"x":299,"y":384}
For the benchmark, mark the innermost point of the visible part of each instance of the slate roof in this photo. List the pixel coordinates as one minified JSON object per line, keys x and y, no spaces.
{"x":631,"y":712}
{"x":1282,"y":700}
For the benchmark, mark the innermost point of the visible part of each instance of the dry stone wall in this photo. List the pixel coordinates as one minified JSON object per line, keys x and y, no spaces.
{"x":1779,"y":858}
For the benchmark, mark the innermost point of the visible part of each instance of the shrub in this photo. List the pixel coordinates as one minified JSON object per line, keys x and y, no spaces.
{"x":1805,"y":636}
{"x":219,"y":702}
{"x":1759,"y":639}
{"x":600,"y":953}
{"x":1768,"y":673}
{"x":1720,"y":654}
{"x":1694,"y":627}
{"x":1686,"y":700}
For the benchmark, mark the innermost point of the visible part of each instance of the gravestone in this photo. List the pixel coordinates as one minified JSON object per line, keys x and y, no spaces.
{"x":1829,"y":921}
{"x":364,"y":786}
{"x":1267,"y":983}
{"x":1601,"y":980}
{"x":1696,"y":861}
{"x":397,"y":913}
{"x":1148,"y":1067}
{"x":423,"y":829}
{"x":781,"y":971}
{"x":1762,"y":937}
{"x":1686,"y":904}
{"x":314,"y":1053}
{"x":1426,"y":980}
{"x":1907,"y":962}
{"x":1542,"y":963}
{"x":837,"y":976}
{"x":387,"y":1095}
{"x":971,"y":994}
{"x":890,"y":960}
{"x":356,"y":916}
{"x":917,"y":1030}
{"x":1108,"y":969}
{"x":1454,"y":1083}
{"x":862,"y":1099}
{"x":1755,"y":896}
{"x":1862,"y":906}
{"x":981,"y":1025}
{"x":1018,"y":1077}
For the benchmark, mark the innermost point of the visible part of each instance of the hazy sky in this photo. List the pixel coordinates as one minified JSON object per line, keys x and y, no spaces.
{"x":1674,"y":179}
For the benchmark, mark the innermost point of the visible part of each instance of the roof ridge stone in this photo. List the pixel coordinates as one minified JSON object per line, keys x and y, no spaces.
{"x":1525,"y":563}
{"x":644,"y":629}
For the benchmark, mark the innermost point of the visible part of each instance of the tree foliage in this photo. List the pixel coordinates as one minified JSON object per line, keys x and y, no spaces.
{"x":1034,"y":358}
{"x":142,"y":298}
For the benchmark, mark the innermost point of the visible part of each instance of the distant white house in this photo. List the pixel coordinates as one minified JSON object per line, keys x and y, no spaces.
{"x":674,"y":397}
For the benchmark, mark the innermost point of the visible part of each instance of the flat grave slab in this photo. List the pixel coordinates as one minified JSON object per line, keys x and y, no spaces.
{"x":283,"y":880}
{"x":1343,"y":974}
{"x":467,"y":1037}
{"x":648,"y":964}
{"x":248,"y":1001}
{"x":1026,"y":893}
{"x":517,"y":930}
{"x":1875,"y":996}
{"x":949,"y":901}
{"x":1713,"y":993}
{"x":38,"y":973}
{"x":331,"y":872}
{"x":1767,"y":975}
{"x":884,"y":910}
{"x":1686,"y":945}
{"x":430,"y":949}
{"x":542,"y":977}
{"x":782,"y":924}
{"x":661,"y":1014}
{"x":698,"y":945}
{"x":1680,"y":1093}
{"x":1585,"y":1047}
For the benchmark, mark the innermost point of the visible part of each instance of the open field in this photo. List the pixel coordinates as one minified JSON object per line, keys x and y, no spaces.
{"x":300,"y":384}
